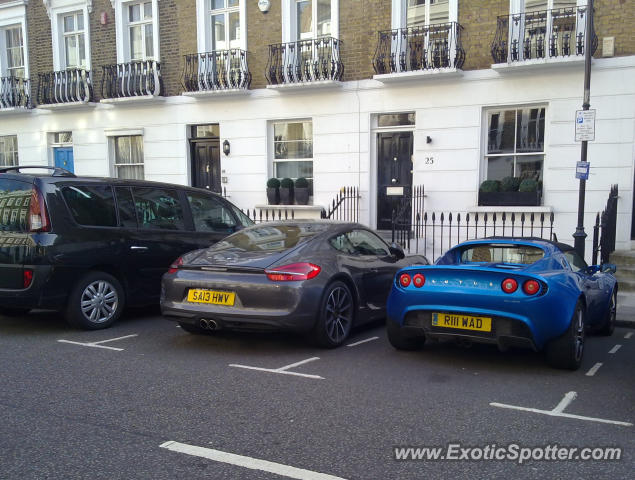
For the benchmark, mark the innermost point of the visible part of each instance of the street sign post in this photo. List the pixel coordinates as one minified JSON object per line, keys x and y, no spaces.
{"x":585,"y":125}
{"x":582,"y":170}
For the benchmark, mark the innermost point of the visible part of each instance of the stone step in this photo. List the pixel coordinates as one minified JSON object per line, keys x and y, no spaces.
{"x":623,"y":257}
{"x":626,"y":285}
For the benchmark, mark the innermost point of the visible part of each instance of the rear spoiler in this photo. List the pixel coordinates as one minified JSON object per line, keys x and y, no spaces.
{"x":57,"y":171}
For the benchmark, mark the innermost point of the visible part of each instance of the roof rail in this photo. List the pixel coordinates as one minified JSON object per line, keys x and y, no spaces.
{"x":57,"y":171}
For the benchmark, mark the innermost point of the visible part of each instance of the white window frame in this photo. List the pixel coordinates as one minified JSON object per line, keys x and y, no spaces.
{"x":13,"y":13}
{"x":289,"y":20}
{"x":14,"y":153}
{"x":272,"y":146}
{"x":56,"y":10}
{"x":399,"y":17}
{"x":123,"y":32}
{"x":112,"y":153}
{"x":204,"y":25}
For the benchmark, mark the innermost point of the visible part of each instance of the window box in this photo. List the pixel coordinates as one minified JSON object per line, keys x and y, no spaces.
{"x":512,"y":199}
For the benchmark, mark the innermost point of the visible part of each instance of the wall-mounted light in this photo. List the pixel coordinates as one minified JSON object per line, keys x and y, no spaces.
{"x":264,"y":5}
{"x":103,"y":18}
{"x":226,"y":147}
{"x":428,"y":139}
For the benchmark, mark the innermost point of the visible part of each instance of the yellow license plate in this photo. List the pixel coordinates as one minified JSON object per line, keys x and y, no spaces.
{"x":198,"y":295}
{"x":463,"y":322}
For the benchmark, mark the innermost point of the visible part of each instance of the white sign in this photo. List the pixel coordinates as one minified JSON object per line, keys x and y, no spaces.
{"x":584,"y":125}
{"x":394,"y":191}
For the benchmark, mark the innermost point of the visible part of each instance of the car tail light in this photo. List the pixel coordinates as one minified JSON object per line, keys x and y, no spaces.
{"x":418,"y":280}
{"x":404,"y":279}
{"x":531,"y":287}
{"x":293,"y":272}
{"x":175,"y":265}
{"x":509,"y":285}
{"x":27,"y":277}
{"x":38,"y":216}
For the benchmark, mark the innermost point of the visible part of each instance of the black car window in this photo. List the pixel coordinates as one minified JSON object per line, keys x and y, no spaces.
{"x":244,"y":220}
{"x":15,"y":200}
{"x":91,"y":205}
{"x":343,"y":244}
{"x":209,"y":214}
{"x":158,"y":208}
{"x":264,"y":238}
{"x":366,"y":243}
{"x":502,"y":253}
{"x":576,"y":262}
{"x":125,"y":204}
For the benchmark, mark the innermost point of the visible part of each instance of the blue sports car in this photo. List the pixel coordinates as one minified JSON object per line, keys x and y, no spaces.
{"x":506,"y":291}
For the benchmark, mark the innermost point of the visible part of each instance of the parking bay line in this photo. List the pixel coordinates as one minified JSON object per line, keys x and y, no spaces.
{"x":247,"y":462}
{"x":615,"y":348}
{"x":558,"y":411}
{"x":628,"y":335}
{"x":283,"y":370}
{"x":592,"y":371}
{"x":98,"y":344}
{"x":362,"y":341}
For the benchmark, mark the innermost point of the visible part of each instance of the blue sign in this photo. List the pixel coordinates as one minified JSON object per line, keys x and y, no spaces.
{"x":582,"y":170}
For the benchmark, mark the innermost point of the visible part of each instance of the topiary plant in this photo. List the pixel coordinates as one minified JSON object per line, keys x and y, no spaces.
{"x":490,"y":186}
{"x":510,"y":184}
{"x":273,"y":183}
{"x":286,"y":183}
{"x":528,"y":185}
{"x":301,"y":183}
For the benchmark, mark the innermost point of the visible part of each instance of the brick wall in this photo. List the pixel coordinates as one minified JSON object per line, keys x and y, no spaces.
{"x":263,"y":29}
{"x":40,"y":44}
{"x":615,"y":18}
{"x":479,"y":28}
{"x":103,"y":46}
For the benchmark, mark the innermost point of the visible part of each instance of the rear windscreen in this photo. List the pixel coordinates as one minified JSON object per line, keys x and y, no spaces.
{"x":500,"y":253}
{"x":91,"y":205}
{"x":270,"y":238}
{"x":15,"y":199}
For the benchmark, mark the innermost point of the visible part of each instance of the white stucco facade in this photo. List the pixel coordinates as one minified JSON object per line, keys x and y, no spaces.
{"x":450,"y":110}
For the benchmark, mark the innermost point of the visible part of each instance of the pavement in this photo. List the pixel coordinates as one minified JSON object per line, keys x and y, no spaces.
{"x":145,"y":399}
{"x":626,"y":309}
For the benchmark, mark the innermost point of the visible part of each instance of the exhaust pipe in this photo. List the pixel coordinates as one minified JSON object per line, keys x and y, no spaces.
{"x":203,"y":324}
{"x":208,"y":324}
{"x":212,"y":325}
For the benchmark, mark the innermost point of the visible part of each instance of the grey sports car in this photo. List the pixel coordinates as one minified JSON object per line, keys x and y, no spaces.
{"x":321,"y":278}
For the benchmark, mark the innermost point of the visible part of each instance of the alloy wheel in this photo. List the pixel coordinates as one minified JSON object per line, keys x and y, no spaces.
{"x":99,"y":301}
{"x":579,"y":335}
{"x":339,"y":314}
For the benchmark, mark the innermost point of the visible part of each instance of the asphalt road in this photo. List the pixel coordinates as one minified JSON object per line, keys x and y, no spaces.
{"x":69,"y":410}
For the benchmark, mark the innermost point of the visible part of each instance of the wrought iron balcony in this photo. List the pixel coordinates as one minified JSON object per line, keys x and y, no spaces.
{"x":15,"y":92}
{"x":132,"y":79}
{"x":65,"y":86}
{"x":419,"y":48}
{"x":544,"y":34}
{"x":217,"y":70}
{"x":304,"y":61}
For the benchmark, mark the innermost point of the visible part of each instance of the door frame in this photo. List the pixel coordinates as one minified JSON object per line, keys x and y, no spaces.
{"x":52,"y":145}
{"x":374,"y":161}
{"x":192,"y":140}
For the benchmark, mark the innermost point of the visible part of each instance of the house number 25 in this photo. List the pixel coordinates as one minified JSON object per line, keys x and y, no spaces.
{"x":429,"y":160}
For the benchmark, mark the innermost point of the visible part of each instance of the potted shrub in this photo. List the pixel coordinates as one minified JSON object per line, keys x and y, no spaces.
{"x":508,"y":192}
{"x":273,"y":191}
{"x":301,"y":191}
{"x":286,"y":191}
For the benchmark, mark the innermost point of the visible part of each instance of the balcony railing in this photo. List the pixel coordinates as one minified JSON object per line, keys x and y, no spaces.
{"x":543,"y":34}
{"x":217,"y":70}
{"x":304,"y":61}
{"x":15,"y":92}
{"x":419,"y":48}
{"x":132,"y":79}
{"x":65,"y":86}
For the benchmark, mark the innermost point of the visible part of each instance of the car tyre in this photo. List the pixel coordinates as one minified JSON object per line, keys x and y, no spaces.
{"x":335,"y":317}
{"x":96,"y":301}
{"x":400,"y":341}
{"x":608,"y":325}
{"x":566,"y":351}
{"x":13,"y":312}
{"x":193,"y":329}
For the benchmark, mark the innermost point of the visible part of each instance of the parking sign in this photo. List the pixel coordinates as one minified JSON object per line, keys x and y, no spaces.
{"x":584,"y":125}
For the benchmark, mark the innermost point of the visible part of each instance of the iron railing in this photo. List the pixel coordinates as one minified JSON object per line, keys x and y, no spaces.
{"x":270,"y":214}
{"x":419,"y":48}
{"x":65,"y":86}
{"x":15,"y":92}
{"x":605,"y":228}
{"x":548,"y":33}
{"x":304,"y":61}
{"x":217,"y":70}
{"x":132,"y":79}
{"x":345,"y":206}
{"x":404,"y":216}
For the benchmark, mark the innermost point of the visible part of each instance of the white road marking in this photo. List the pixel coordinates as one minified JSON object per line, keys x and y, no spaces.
{"x":615,"y":348}
{"x":628,"y":335}
{"x":594,"y":369}
{"x":247,"y":462}
{"x":362,"y":341}
{"x":98,"y":344}
{"x":283,"y":370}
{"x":558,"y":411}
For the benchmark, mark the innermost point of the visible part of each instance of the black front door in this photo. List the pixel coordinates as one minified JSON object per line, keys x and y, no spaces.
{"x":394,"y":174}
{"x":206,"y":164}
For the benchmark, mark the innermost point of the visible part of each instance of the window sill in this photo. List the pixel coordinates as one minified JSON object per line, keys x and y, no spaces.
{"x":515,"y":209}
{"x":436,"y":73}
{"x":207,"y":94}
{"x":67,"y":106}
{"x":133,"y":100}
{"x":539,"y":63}
{"x":305,"y":85}
{"x":300,"y":212}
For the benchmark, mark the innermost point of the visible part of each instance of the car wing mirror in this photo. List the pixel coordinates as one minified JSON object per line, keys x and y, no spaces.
{"x":396,"y":251}
{"x":608,"y":268}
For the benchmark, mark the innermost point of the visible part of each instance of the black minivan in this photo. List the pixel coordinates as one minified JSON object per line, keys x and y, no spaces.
{"x":88,"y":246}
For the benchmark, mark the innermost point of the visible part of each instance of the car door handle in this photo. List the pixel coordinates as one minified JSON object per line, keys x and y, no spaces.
{"x":141,"y":249}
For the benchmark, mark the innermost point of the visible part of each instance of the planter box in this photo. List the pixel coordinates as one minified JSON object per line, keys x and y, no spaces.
{"x":301,"y":195}
{"x":286,"y":196}
{"x":273,"y":196}
{"x":509,"y":199}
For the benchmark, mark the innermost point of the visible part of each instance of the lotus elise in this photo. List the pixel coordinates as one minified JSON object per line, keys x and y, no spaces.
{"x":509,"y":292}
